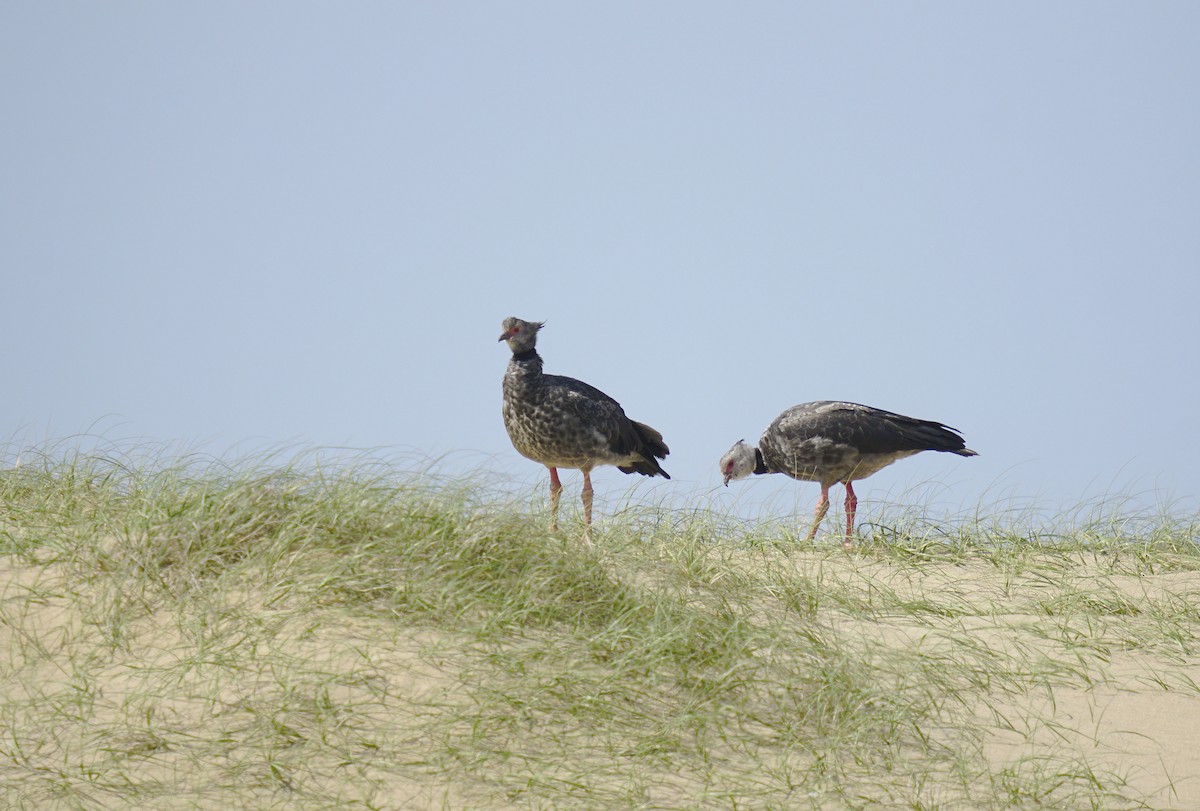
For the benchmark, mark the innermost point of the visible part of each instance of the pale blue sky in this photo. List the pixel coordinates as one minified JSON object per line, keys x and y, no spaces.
{"x":259,"y":224}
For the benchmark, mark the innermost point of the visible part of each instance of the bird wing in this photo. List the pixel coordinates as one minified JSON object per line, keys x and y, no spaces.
{"x":869,"y":429}
{"x":598,"y":411}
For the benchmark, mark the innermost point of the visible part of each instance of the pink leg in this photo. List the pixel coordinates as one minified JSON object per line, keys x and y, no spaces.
{"x":819,"y":514}
{"x":587,"y":497}
{"x":851,"y":509}
{"x":555,"y":492}
{"x":587,"y":508}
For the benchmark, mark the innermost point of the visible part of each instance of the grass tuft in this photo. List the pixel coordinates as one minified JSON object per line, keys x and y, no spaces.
{"x":312,"y":633}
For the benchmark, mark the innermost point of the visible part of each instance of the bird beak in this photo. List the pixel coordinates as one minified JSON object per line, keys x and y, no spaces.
{"x":503,"y":335}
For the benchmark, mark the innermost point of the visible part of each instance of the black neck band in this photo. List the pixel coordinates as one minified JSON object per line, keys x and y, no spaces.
{"x":759,"y":465}
{"x":528,"y":354}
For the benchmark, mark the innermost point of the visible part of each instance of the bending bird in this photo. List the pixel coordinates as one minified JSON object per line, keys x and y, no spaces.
{"x":833,"y":442}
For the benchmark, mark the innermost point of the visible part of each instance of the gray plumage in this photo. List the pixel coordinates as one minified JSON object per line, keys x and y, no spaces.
{"x":562,"y":422}
{"x":833,"y":442}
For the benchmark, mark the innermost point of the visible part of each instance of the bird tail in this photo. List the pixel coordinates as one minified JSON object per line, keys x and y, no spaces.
{"x":938,"y":437}
{"x":652,"y":448}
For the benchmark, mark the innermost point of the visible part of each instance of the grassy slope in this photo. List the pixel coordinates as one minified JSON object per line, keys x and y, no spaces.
{"x":255,"y":637}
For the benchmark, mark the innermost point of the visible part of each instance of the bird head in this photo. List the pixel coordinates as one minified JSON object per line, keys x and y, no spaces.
{"x":521,"y":335}
{"x":739,"y":462}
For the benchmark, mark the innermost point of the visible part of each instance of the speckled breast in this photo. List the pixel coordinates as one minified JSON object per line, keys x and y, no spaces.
{"x":548,"y":434}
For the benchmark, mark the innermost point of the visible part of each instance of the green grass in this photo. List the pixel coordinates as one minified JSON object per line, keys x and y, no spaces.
{"x":279,"y":635}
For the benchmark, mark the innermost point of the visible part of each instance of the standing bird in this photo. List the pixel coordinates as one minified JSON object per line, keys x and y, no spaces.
{"x":563,"y":422}
{"x":830,"y":442}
